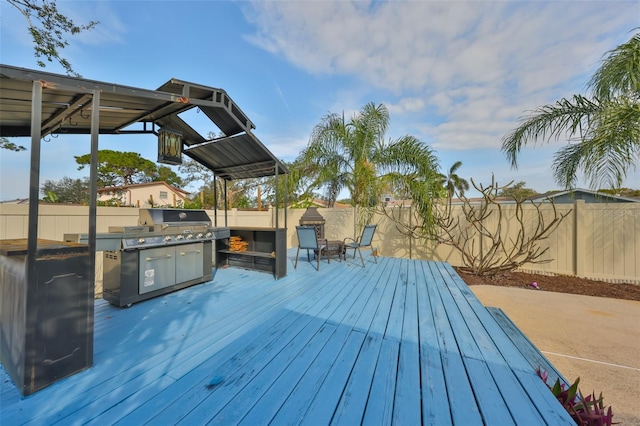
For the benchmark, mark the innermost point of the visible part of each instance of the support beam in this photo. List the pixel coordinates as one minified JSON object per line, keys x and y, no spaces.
{"x":56,"y":121}
{"x":226,"y":203}
{"x":93,"y":191}
{"x":277,"y":195}
{"x":215,"y":200}
{"x":34,"y":180}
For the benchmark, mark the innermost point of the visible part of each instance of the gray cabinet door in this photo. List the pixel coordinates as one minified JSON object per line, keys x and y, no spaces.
{"x":157,"y":268}
{"x":189,"y":262}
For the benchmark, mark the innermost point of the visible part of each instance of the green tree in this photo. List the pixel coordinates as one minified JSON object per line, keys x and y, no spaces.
{"x":604,"y":130}
{"x":621,"y":192}
{"x":6,"y":144}
{"x":50,"y":197}
{"x":119,"y":168}
{"x":241,"y":192}
{"x":354,"y":155}
{"x":299,"y":185}
{"x":516,"y":191}
{"x":164,"y":173}
{"x":66,"y":190}
{"x":452,"y":182}
{"x":49,"y":29}
{"x":195,"y":172}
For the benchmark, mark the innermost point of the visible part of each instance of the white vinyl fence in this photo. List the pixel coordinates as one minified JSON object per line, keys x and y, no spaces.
{"x":597,"y":240}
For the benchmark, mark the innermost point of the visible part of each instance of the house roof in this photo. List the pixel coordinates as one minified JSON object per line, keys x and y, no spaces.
{"x":16,"y":201}
{"x":323,"y":203}
{"x":578,"y":192}
{"x":142,"y":185}
{"x":67,"y":108}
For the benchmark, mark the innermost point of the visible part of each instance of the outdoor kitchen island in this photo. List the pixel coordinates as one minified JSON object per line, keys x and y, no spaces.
{"x":46,"y":328}
{"x":170,"y":249}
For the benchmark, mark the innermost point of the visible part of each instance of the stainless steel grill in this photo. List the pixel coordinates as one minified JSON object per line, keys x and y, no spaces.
{"x":170,"y":249}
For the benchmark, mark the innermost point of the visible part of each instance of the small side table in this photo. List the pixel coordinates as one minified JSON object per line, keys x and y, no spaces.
{"x":335,"y":247}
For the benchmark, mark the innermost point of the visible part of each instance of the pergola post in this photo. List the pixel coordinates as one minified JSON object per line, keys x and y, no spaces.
{"x":277,"y":196}
{"x":34,"y":181}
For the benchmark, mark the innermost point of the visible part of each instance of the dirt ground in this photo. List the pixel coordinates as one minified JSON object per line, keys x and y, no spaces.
{"x":557,"y":283}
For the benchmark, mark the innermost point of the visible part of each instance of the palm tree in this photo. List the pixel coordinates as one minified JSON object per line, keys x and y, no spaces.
{"x":354,"y":155}
{"x":452,"y":182}
{"x":604,"y":129}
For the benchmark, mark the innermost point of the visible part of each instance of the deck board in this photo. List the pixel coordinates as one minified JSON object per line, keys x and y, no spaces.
{"x":397,"y":342}
{"x":379,"y":409}
{"x":407,"y":408}
{"x":435,"y":403}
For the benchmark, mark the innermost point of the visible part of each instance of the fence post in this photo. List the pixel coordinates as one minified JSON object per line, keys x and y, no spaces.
{"x":355,"y":222}
{"x":579,"y":237}
{"x":410,"y":237}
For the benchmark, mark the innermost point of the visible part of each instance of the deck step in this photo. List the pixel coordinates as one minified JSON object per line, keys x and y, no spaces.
{"x":525,"y":346}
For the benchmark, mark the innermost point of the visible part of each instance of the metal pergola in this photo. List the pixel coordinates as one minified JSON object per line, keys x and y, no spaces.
{"x":36,"y":104}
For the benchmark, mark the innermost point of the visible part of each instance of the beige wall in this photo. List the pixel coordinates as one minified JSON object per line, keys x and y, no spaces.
{"x":598,"y":241}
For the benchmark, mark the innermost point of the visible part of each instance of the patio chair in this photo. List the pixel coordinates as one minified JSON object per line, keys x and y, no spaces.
{"x":362,"y":241}
{"x":308,"y":239}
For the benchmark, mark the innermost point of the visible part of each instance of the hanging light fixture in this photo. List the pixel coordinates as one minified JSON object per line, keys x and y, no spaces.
{"x":169,"y":146}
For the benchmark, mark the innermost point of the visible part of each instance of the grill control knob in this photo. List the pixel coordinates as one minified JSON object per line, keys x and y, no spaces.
{"x":208,"y":234}
{"x":199,"y":235}
{"x":140,"y":240}
{"x":167,"y":238}
{"x":179,"y":237}
{"x":190,"y":236}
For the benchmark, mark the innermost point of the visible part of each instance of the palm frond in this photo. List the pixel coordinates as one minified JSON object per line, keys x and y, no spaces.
{"x":613,"y":146}
{"x":567,"y":117}
{"x":566,"y":163}
{"x":619,"y":73}
{"x":608,"y":151}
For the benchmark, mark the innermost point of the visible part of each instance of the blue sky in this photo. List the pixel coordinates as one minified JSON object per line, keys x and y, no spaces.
{"x":457,"y":75}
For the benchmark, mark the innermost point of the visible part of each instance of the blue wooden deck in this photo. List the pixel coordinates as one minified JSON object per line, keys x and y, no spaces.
{"x":399,"y":342}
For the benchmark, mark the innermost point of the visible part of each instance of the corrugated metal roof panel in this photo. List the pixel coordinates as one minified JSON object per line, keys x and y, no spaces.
{"x":236,"y":157}
{"x":66,"y":108}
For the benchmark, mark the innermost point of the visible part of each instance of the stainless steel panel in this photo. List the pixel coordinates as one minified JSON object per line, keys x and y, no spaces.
{"x":189,"y":262}
{"x":104,"y":242}
{"x":173,"y":217}
{"x":220,"y":233}
{"x":129,"y":229}
{"x":157,"y":269}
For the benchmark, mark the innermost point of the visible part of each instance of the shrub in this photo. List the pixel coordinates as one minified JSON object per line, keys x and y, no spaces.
{"x":585,"y":411}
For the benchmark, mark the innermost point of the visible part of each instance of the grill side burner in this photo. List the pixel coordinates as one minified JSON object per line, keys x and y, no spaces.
{"x":169,"y":250}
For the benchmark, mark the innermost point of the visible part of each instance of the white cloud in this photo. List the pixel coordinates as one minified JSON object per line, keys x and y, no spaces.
{"x":286,"y":147}
{"x":405,"y":105}
{"x":481,"y":65}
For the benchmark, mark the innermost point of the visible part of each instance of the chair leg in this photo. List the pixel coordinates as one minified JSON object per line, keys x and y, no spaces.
{"x":295,"y":265}
{"x":318,"y":258}
{"x":361,"y":259}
